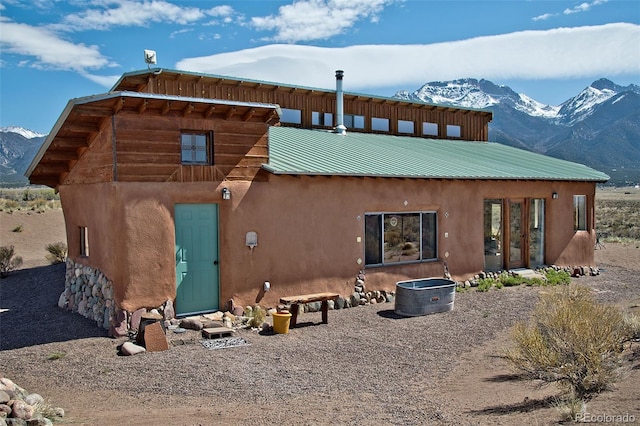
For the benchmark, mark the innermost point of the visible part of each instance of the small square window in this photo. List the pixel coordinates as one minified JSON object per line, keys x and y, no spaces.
{"x":453,"y":131}
{"x":196,"y":148}
{"x":405,"y":126}
{"x":380,"y":124}
{"x":289,"y":115}
{"x":429,"y":129}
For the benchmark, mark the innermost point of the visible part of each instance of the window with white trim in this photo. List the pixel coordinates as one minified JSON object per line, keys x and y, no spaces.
{"x":579,"y":212}
{"x":293,"y":116}
{"x":392,"y":238}
{"x":380,"y":124}
{"x":454,"y":131}
{"x":429,"y":129}
{"x":405,"y":126}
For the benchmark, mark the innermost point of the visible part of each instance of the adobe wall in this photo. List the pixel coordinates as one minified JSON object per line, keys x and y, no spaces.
{"x":307,"y":227}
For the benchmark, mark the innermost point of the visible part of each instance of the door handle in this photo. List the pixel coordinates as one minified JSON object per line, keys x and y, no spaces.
{"x":215,"y":262}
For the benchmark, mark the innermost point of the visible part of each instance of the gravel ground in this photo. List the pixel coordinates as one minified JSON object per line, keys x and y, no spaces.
{"x":367,"y":366}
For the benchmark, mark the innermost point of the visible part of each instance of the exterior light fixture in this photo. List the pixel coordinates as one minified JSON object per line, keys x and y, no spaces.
{"x":554,"y":195}
{"x":226,"y":194}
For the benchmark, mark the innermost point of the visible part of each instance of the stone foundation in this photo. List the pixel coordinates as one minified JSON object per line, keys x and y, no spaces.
{"x":88,"y":292}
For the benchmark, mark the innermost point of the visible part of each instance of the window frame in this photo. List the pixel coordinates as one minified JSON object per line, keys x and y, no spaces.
{"x":208,"y":148}
{"x":380,"y":242}
{"x":291,"y":116}
{"x":84,"y":241}
{"x":429,"y":128}
{"x":454,"y":131}
{"x":580,"y":217}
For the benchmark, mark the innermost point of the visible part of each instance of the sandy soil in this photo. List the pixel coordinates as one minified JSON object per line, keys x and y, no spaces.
{"x":366,"y":366}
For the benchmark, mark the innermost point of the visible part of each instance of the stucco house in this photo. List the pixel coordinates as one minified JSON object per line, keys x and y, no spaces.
{"x":200,"y":188}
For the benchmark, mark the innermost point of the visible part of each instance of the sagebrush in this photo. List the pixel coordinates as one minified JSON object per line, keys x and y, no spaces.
{"x":8,"y":260}
{"x":571,"y":340}
{"x":57,"y":252}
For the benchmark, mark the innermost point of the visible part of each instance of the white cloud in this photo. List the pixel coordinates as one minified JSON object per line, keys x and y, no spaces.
{"x":306,"y":20}
{"x":130,"y":13}
{"x":178,"y":32}
{"x":557,"y":53}
{"x":582,"y":7}
{"x":102,"y":80}
{"x":50,"y":51}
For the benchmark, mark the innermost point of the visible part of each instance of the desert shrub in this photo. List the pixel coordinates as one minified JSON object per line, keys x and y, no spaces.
{"x":17,"y":229}
{"x":571,"y":340}
{"x":8,"y":260}
{"x":10,"y":205}
{"x":510,"y":280}
{"x":485,"y":284}
{"x":57,"y":252}
{"x":557,"y":277}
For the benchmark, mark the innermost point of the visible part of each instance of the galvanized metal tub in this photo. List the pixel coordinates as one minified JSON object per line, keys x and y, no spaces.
{"x":424,"y":296}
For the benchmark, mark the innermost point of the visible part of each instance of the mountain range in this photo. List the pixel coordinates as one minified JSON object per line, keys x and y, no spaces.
{"x":599,"y":127}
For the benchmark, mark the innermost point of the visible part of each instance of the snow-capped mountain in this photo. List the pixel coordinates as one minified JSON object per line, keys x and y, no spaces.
{"x":600,"y":126}
{"x":26,"y":133}
{"x":472,"y":93}
{"x":18,"y":146}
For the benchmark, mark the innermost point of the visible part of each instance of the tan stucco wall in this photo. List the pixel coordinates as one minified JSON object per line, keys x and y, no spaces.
{"x":307,"y":231}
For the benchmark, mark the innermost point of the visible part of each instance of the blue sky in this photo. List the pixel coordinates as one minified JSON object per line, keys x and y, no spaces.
{"x":53,"y":50}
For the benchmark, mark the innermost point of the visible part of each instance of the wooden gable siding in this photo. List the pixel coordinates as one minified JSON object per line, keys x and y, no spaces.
{"x":148,"y":149}
{"x":474,"y":124}
{"x":96,"y":163}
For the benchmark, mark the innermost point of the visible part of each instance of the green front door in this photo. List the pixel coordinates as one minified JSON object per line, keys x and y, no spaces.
{"x":196,"y":258}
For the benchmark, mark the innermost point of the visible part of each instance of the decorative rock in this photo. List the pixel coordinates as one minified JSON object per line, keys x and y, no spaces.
{"x":238,"y":311}
{"x":120,"y":327}
{"x":229,"y":315}
{"x":129,"y":348}
{"x":154,"y":338}
{"x":21,"y":410}
{"x":192,"y":324}
{"x":389,"y":298}
{"x":40,"y":421}
{"x":4,"y":408}
{"x":216,"y":316}
{"x":354,"y":299}
{"x":271,"y":311}
{"x":33,"y":399}
{"x":339,"y":304}
{"x":136,"y":317}
{"x":4,"y":397}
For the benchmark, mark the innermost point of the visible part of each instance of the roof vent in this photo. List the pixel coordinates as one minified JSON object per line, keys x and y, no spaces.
{"x":340,"y":127}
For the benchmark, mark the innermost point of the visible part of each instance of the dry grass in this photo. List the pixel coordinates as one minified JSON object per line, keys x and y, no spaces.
{"x":618,"y":214}
{"x":34,"y":199}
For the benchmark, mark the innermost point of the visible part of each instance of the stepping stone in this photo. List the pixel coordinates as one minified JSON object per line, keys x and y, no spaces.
{"x":216,"y":332}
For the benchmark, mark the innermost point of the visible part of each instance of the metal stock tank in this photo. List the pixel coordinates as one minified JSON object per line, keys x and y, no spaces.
{"x":424,"y":296}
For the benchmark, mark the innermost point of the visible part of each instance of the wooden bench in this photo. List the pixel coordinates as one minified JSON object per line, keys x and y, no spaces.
{"x":295,"y":301}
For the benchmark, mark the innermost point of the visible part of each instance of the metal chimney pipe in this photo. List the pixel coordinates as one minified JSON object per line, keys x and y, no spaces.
{"x":340,"y":127}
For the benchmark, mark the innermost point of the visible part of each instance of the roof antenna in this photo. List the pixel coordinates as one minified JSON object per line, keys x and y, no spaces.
{"x":340,"y":127}
{"x":149,"y":57}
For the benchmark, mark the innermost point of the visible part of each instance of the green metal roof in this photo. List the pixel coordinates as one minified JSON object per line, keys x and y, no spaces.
{"x":321,"y":152}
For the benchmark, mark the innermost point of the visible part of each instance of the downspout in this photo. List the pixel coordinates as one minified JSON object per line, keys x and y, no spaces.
{"x":340,"y":127}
